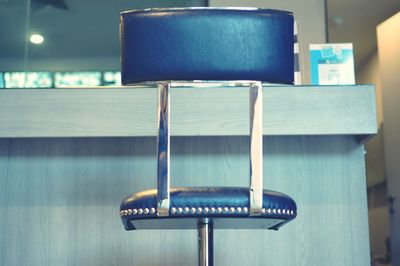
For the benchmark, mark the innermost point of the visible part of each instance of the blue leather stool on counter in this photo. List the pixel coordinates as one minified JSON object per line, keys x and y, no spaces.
{"x":170,"y":47}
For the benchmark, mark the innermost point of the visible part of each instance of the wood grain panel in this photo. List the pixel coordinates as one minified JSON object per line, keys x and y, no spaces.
{"x":64,"y":193}
{"x":4,"y":154}
{"x":288,"y":110}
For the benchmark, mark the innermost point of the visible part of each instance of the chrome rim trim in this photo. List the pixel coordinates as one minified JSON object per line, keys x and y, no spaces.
{"x":195,"y":211}
{"x":272,"y":11}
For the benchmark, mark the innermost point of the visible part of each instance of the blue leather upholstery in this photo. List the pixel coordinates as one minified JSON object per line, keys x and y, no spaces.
{"x":207,"y":202}
{"x":207,"y":44}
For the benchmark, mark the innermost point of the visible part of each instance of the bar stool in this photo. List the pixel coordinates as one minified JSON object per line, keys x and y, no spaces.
{"x":170,"y":47}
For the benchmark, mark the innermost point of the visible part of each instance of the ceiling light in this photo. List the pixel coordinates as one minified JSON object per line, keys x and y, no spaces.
{"x":36,"y":39}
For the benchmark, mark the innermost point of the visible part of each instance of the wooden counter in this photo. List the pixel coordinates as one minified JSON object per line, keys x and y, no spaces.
{"x":69,"y":157}
{"x":131,"y":111}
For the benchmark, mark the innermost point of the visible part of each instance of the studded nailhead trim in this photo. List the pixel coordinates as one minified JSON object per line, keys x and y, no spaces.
{"x":206,"y":210}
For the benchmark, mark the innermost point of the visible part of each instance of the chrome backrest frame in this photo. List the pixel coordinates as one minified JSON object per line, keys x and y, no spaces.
{"x":256,"y":148}
{"x":163,"y":148}
{"x":163,"y":140}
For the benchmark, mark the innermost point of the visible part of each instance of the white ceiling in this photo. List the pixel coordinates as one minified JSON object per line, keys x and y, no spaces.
{"x":90,"y":28}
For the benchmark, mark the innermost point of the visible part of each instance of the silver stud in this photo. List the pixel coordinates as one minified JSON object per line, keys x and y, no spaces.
{"x":140,"y":211}
{"x":186,"y":210}
{"x":180,"y":210}
{"x":146,"y":211}
{"x":226,"y":209}
{"x":192,"y":210}
{"x":173,"y":210}
{"x":125,"y":212}
{"x":122,"y":213}
{"x":129,"y":211}
{"x":245,"y":210}
{"x":269,"y":211}
{"x":212,"y":210}
{"x":279,"y":211}
{"x":199,"y":210}
{"x":206,"y":209}
{"x":232,"y":210}
{"x":284,"y":211}
{"x":134,"y":211}
{"x":263,"y":210}
{"x":274,"y":211}
{"x":239,"y":209}
{"x":291,"y":212}
{"x":219,"y":209}
{"x":152,"y":210}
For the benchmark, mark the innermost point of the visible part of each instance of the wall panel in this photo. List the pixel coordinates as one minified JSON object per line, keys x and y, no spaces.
{"x":63,"y":195}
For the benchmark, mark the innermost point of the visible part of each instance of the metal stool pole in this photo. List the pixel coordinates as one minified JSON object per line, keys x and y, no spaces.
{"x":206,"y":247}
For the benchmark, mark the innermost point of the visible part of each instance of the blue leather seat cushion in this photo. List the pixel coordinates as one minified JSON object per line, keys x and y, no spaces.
{"x":222,"y":202}
{"x":207,"y":44}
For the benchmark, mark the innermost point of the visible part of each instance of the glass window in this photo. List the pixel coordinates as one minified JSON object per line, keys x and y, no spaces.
{"x":112,"y":78}
{"x":41,"y":79}
{"x":1,"y":80}
{"x":77,"y":78}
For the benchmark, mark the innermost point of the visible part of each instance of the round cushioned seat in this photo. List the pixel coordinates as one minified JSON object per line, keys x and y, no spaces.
{"x":207,"y":44}
{"x":189,"y":204}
